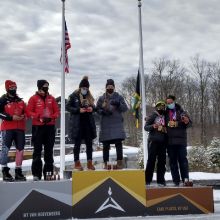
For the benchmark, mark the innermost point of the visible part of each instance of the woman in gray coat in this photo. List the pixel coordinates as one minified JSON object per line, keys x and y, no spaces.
{"x":110,"y":106}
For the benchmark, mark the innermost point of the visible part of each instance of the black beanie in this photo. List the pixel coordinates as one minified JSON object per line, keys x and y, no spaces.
{"x":84,"y":82}
{"x":110,"y":82}
{"x":41,"y":82}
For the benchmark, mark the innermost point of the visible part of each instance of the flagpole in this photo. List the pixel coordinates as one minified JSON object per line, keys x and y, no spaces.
{"x":142,"y":84}
{"x":62,"y":121}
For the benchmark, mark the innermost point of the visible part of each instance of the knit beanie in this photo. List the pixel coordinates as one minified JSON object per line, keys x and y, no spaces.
{"x":41,"y":82}
{"x":159,"y":103}
{"x":9,"y":84}
{"x":84,"y":82}
{"x":110,"y":82}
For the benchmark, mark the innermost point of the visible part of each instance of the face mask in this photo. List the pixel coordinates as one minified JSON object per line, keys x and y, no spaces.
{"x":45,"y":89}
{"x":161,"y":112}
{"x":12,"y":92}
{"x":84,"y":91}
{"x":110,"y":91}
{"x":171,"y":106}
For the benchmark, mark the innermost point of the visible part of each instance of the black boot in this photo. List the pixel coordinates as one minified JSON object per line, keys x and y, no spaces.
{"x":19,"y":175}
{"x":6,"y":175}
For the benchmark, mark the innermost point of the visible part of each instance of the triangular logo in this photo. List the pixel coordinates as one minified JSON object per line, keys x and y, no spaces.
{"x":41,"y":206}
{"x":110,"y":203}
{"x":173,"y":206}
{"x":108,"y":200}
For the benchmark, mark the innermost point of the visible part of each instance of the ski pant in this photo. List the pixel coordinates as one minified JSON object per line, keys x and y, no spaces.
{"x":43,"y":136}
{"x":156,"y":152}
{"x":89,"y":149}
{"x":178,"y":160}
{"x":8,"y":136}
{"x":106,"y":148}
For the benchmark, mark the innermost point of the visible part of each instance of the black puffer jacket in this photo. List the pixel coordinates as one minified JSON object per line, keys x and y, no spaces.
{"x":73,"y":106}
{"x":177,"y":135}
{"x":154,"y":134}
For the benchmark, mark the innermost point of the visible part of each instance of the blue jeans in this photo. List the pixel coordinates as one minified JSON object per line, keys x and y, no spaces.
{"x":8,"y":136}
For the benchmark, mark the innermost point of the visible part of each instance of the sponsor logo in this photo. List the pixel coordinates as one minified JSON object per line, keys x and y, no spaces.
{"x":109,"y":203}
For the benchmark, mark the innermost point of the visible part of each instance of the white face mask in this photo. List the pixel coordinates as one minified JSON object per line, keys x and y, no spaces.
{"x":84,"y":91}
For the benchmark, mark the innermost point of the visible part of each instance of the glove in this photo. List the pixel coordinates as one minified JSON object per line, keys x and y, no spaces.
{"x":46,"y":120}
{"x":115,"y":102}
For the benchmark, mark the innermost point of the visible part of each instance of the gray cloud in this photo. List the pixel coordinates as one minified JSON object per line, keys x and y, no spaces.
{"x":104,"y":37}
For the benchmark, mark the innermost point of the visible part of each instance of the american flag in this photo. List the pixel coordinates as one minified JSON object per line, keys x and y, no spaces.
{"x":67,"y":46}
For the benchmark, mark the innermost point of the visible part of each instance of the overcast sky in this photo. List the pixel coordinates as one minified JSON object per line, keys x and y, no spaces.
{"x":104,"y":38}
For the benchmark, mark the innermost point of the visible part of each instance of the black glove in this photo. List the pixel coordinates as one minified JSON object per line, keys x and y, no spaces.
{"x":115,"y":102}
{"x":46,"y":120}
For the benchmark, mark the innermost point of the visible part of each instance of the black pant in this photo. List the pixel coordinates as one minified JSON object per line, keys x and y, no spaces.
{"x":156,"y":151}
{"x":43,"y":135}
{"x":106,"y":148}
{"x":89,"y":149}
{"x":178,"y":159}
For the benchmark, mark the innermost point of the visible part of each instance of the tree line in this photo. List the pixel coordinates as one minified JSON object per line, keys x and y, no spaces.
{"x":196,"y":86}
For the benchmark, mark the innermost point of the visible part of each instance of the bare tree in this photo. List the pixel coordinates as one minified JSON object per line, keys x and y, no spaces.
{"x":167,"y":78}
{"x":196,"y":87}
{"x":201,"y":70}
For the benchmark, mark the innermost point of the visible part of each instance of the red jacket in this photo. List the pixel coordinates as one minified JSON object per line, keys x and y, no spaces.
{"x":10,"y":106}
{"x":39,"y":107}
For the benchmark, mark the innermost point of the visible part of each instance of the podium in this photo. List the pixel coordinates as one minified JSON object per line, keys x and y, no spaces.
{"x":179,"y":200}
{"x":112,"y":193}
{"x":100,"y":194}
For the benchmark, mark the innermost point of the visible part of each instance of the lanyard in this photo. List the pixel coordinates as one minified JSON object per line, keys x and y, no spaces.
{"x":172,"y":115}
{"x":160,"y":120}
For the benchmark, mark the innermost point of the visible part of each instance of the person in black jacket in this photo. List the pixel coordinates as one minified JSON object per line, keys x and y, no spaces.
{"x":155,"y":124}
{"x":177,"y":121}
{"x":82,"y":124}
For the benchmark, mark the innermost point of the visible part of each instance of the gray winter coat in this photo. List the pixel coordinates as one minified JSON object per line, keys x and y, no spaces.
{"x":110,"y":109}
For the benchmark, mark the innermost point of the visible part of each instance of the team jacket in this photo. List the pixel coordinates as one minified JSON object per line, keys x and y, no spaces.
{"x":10,"y":106}
{"x":42,"y":107}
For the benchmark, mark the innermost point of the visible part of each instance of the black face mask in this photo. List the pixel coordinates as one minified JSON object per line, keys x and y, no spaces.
{"x":45,"y":89}
{"x":161,"y":112}
{"x":110,"y":91}
{"x":12,"y":92}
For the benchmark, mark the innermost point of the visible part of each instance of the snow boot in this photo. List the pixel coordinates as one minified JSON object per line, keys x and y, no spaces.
{"x":78,"y":166}
{"x":90,"y":166}
{"x":119,"y":164}
{"x":19,"y":175}
{"x":6,"y":175}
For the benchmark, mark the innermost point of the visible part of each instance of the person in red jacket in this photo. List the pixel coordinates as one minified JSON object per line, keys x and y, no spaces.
{"x":43,"y":109}
{"x":12,"y":113}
